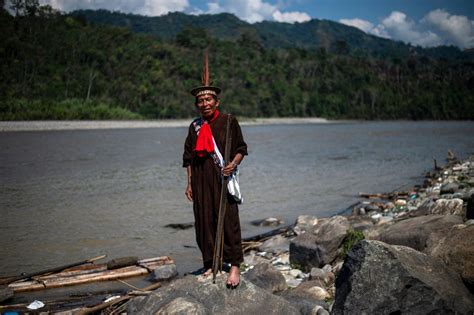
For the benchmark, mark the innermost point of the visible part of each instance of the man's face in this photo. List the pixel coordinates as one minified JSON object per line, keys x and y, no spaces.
{"x":206,"y":105}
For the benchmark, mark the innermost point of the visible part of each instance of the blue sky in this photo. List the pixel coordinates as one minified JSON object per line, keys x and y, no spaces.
{"x":420,"y":22}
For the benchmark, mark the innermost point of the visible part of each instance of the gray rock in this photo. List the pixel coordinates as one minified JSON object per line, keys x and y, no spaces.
{"x":448,"y":206}
{"x":319,"y":247}
{"x":468,"y":194}
{"x":312,"y":289}
{"x":457,"y":251}
{"x":378,"y":278}
{"x":165,"y":272}
{"x":304,"y":223}
{"x":359,"y":223}
{"x":216,"y":298}
{"x":320,"y":311}
{"x":253,"y":259}
{"x":184,"y":305}
{"x":372,"y":207}
{"x":306,"y":253}
{"x":306,"y":306}
{"x":449,"y":188}
{"x":418,"y":232}
{"x":276,"y":244}
{"x":319,"y":274}
{"x":267,"y":277}
{"x":268,"y":222}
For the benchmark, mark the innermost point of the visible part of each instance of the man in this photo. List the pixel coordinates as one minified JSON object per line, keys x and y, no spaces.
{"x":203,"y":152}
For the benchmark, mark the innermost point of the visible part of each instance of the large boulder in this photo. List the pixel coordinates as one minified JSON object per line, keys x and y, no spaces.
{"x":448,"y":206}
{"x":276,"y":245}
{"x":304,"y":223}
{"x":449,"y":188}
{"x":418,"y":232}
{"x":183,"y":305}
{"x":319,"y":246}
{"x":165,"y":272}
{"x":378,"y":278}
{"x":205,"y":297}
{"x":456,"y":249}
{"x":267,"y":277}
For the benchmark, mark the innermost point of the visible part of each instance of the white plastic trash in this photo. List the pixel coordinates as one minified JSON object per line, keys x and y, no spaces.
{"x":35,"y":305}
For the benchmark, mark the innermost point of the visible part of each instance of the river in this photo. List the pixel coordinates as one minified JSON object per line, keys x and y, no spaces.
{"x":74,"y":194}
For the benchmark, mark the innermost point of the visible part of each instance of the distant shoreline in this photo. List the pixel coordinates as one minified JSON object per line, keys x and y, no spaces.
{"x":45,"y":125}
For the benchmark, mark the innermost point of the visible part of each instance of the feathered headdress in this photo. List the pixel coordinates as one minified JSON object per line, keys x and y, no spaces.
{"x":205,"y":88}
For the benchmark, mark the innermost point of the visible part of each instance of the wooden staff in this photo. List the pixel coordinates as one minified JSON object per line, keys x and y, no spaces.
{"x":56,"y":269}
{"x":219,"y":241}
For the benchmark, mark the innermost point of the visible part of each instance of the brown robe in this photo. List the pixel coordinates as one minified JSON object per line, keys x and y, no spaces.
{"x":206,"y":185}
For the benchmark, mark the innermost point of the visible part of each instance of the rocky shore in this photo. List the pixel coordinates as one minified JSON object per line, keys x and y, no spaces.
{"x":400,"y":253}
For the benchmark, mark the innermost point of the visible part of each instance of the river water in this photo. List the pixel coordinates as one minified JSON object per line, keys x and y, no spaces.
{"x":70,"y":195}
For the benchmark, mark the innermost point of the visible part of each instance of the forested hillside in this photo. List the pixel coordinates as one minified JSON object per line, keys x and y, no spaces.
{"x":64,"y":67}
{"x":332,"y":36}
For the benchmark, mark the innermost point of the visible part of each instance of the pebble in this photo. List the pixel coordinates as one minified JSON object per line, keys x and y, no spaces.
{"x":293,"y":283}
{"x":385,"y":219}
{"x":376,"y":217}
{"x":400,"y":202}
{"x":282,"y":259}
{"x":327,"y":268}
{"x":337,"y":267}
{"x":318,"y":293}
{"x":296,"y":273}
{"x":319,"y":310}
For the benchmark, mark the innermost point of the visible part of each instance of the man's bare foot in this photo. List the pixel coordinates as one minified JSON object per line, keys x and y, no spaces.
{"x":207,"y":272}
{"x":233,"y":279}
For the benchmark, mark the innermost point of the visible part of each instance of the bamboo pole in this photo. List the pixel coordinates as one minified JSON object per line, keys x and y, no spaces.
{"x":219,"y":240}
{"x":102,"y":306}
{"x":73,"y":279}
{"x":48,"y":271}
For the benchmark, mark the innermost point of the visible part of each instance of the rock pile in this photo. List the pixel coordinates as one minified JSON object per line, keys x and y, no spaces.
{"x":417,"y":257}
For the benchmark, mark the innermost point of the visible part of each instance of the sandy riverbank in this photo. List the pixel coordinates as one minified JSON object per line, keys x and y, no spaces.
{"x":39,"y":125}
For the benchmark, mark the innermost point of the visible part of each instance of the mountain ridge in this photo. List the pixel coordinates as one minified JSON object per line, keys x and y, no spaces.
{"x":313,"y":34}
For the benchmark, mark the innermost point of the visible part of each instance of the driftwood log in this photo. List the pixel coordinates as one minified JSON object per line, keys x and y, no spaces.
{"x":48,"y":271}
{"x":90,"y":273}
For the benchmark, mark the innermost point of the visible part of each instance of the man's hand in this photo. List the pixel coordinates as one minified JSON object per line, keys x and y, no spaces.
{"x":189,"y":193}
{"x":229,"y":169}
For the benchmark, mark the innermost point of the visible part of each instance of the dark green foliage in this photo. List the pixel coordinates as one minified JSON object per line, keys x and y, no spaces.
{"x":71,"y":109}
{"x":352,"y":238}
{"x":63,"y":67}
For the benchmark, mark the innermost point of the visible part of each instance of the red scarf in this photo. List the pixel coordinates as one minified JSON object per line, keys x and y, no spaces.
{"x":204,"y":143}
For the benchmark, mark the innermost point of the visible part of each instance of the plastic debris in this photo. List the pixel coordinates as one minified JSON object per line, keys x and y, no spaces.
{"x":111,"y":298}
{"x":35,"y":305}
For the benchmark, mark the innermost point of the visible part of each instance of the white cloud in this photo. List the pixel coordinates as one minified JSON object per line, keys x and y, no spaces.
{"x":254,"y":11}
{"x":457,"y":29}
{"x":366,"y":26}
{"x":400,"y":27}
{"x":363,"y":25}
{"x":438,"y":27}
{"x":142,"y":7}
{"x":290,"y":17}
